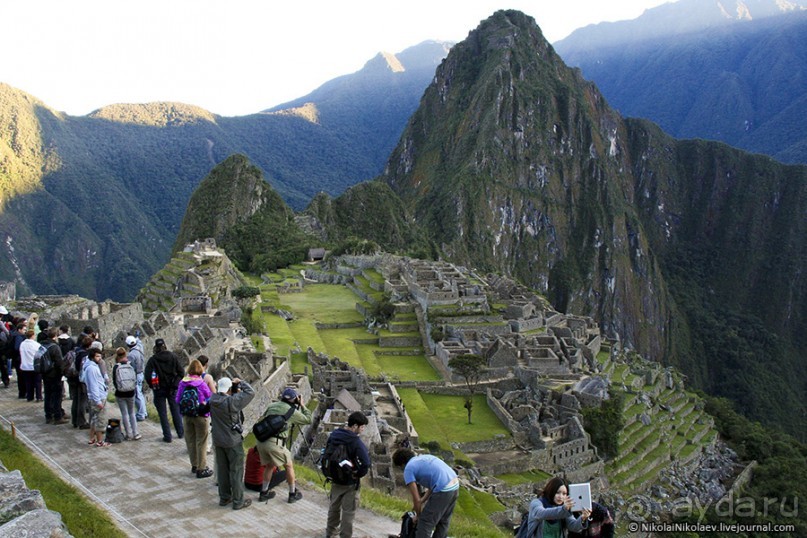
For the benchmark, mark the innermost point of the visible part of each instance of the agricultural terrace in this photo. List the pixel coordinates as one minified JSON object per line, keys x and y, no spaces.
{"x":328,"y":304}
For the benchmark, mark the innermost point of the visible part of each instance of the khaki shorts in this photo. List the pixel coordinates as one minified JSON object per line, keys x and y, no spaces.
{"x":273,"y":453}
{"x":98,"y":417}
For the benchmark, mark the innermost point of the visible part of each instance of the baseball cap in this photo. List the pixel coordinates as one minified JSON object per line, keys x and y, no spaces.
{"x":131,"y":341}
{"x":289,"y":394}
{"x":63,"y":336}
{"x":224,"y":384}
{"x":3,"y":310}
{"x":97,"y":345}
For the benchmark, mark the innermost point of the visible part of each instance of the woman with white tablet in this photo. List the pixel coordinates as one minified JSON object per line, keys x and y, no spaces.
{"x":550,"y":515}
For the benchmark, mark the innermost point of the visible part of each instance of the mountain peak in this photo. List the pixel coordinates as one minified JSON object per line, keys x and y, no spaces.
{"x":383,"y":62}
{"x":158,"y":114}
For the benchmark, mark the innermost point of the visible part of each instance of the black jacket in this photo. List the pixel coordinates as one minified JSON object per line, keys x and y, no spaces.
{"x":55,"y":354}
{"x":168,"y":369}
{"x":356,"y":449}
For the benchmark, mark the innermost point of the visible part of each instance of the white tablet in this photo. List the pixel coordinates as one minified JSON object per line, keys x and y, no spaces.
{"x":581,"y":495}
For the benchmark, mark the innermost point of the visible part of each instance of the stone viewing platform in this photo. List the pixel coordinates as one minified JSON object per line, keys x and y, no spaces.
{"x":147,"y":488}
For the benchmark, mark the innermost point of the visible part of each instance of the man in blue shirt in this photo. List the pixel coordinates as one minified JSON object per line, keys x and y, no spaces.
{"x":435,"y":507}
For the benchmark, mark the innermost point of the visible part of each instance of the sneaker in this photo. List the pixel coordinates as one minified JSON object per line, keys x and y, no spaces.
{"x":245,"y":504}
{"x":224,"y":502}
{"x":138,"y":437}
{"x":296,"y":496}
{"x":266,"y":495}
{"x":204,"y":473}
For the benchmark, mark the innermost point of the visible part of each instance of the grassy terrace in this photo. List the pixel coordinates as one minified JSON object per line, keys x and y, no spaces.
{"x":332,"y":304}
{"x":443,"y":418}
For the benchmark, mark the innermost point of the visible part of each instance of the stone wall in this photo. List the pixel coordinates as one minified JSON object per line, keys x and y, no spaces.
{"x":23,"y":511}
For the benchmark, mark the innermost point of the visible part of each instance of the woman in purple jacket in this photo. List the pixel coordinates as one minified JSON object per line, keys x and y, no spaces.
{"x":192,"y":396}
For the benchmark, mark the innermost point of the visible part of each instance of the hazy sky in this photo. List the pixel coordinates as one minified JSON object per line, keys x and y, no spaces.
{"x":240,"y":56}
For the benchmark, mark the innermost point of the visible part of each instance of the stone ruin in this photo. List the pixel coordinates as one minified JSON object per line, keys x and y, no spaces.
{"x":23,"y":511}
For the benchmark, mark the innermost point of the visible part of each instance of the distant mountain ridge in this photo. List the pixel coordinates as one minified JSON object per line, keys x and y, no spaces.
{"x":92,"y":204}
{"x":743,"y":82}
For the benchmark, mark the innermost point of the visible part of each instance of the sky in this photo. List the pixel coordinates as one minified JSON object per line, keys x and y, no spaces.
{"x":241,"y":56}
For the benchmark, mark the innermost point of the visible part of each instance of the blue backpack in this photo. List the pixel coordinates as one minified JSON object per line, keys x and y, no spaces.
{"x":189,"y":404}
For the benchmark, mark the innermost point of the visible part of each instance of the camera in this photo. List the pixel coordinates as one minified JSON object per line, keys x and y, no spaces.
{"x":238,"y":428}
{"x":235,"y":388}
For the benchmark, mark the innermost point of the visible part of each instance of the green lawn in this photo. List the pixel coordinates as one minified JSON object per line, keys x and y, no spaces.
{"x":534,"y":476}
{"x":444,"y":419}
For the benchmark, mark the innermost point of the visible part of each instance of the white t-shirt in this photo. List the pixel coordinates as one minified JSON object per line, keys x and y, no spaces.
{"x":27,"y":351}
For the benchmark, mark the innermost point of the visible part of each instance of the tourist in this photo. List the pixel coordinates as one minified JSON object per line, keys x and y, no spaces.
{"x":273,"y":451}
{"x":253,"y":473}
{"x":197,"y":422}
{"x":96,"y":395}
{"x":124,"y":379}
{"x":600,"y":524}
{"x":52,"y":379}
{"x":163,"y":374}
{"x":6,"y":343}
{"x":138,"y":361}
{"x":208,"y":379}
{"x":28,"y":378}
{"x":344,"y":496}
{"x":78,"y":389}
{"x":435,"y":507}
{"x":550,"y":514}
{"x":226,"y":405}
{"x":17,"y":336}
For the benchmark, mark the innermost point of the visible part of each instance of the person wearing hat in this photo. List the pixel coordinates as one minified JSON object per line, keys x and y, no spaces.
{"x":163,"y":373}
{"x":226,"y":419}
{"x":138,"y":361}
{"x":273,"y":451}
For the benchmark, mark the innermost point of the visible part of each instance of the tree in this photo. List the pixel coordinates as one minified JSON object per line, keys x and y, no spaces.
{"x":471,"y":367}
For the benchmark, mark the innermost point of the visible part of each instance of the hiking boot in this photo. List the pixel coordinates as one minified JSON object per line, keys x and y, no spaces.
{"x":193,"y":469}
{"x":266,"y":495}
{"x":296,"y":496}
{"x":204,"y":473}
{"x":245,"y":504}
{"x":224,"y":502}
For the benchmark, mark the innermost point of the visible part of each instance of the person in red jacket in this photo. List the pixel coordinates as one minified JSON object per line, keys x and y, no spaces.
{"x":253,"y":475}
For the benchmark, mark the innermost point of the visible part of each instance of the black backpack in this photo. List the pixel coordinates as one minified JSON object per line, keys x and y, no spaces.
{"x":408,"y":525}
{"x":337,"y":464}
{"x":42,"y":361}
{"x":271,"y":425}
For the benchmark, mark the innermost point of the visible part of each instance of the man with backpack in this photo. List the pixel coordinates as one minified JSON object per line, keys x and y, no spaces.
{"x":273,"y":451}
{"x":435,"y":508}
{"x":73,"y":360}
{"x":344,"y":461}
{"x":138,"y":361}
{"x":52,"y":379}
{"x":163,"y":373}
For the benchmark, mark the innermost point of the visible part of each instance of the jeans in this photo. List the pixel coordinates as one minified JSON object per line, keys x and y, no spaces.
{"x":53,"y":397}
{"x":161,"y":396}
{"x":140,"y":400}
{"x":127,"y":414}
{"x":5,"y":370}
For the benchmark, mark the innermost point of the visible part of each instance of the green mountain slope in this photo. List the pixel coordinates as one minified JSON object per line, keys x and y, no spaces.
{"x":92,"y":204}
{"x":692,"y":252}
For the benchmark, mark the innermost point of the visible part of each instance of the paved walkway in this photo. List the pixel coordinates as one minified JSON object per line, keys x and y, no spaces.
{"x":147,"y":486}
